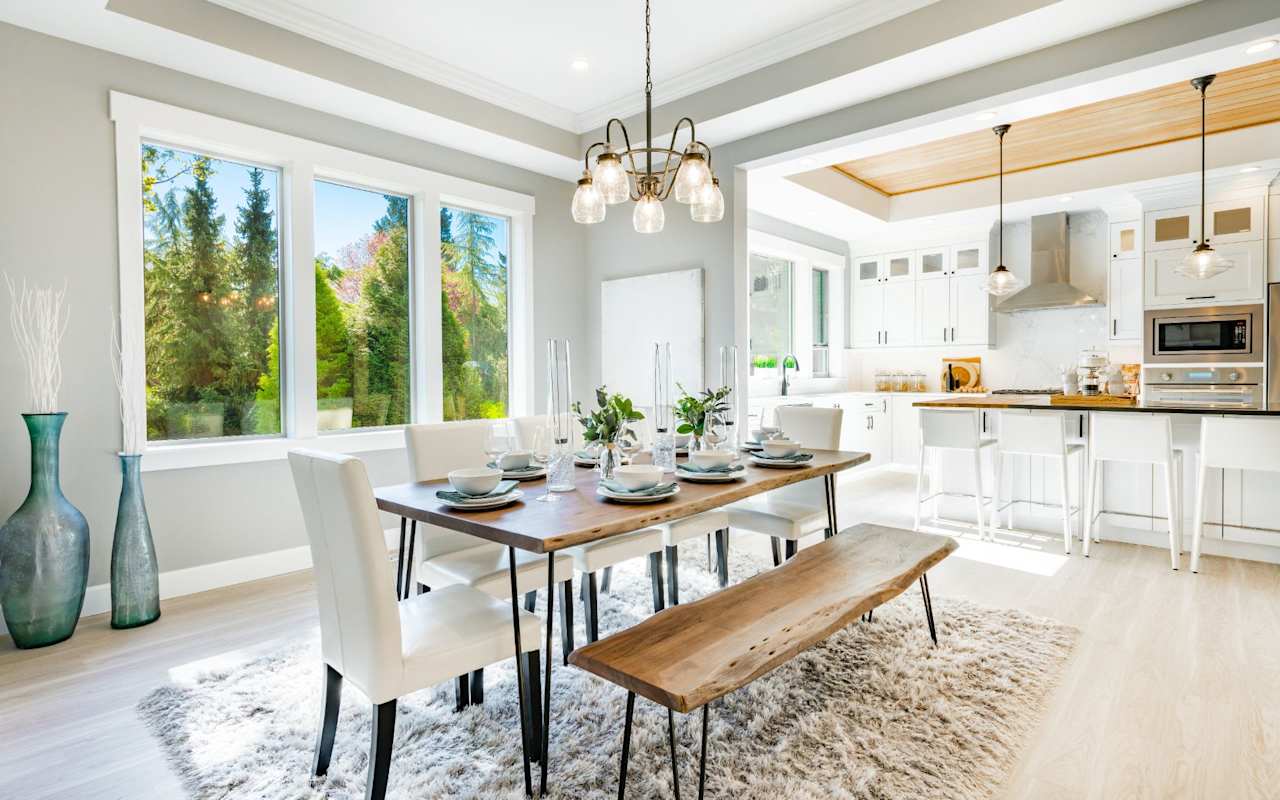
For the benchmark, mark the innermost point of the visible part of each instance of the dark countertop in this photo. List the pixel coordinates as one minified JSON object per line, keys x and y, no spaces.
{"x":1041,"y":402}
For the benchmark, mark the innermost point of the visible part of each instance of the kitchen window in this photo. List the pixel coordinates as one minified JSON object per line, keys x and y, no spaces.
{"x":819,"y":281}
{"x":771,"y":310}
{"x":284,"y":294}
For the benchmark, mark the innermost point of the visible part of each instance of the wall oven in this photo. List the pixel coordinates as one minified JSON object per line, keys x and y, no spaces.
{"x":1211,"y":334}
{"x":1204,"y":387}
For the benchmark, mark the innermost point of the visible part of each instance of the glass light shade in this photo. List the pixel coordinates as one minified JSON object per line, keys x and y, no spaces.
{"x":1002,"y":282}
{"x":648,"y":216}
{"x":1203,"y":263}
{"x":588,"y":205}
{"x":708,"y":203}
{"x":692,"y":176}
{"x":610,"y":179}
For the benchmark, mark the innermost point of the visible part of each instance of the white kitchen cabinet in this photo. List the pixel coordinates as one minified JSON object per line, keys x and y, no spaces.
{"x":867,"y":427}
{"x":1251,"y":508}
{"x":971,"y":320}
{"x":899,"y":314}
{"x":933,"y":264}
{"x":933,"y":311}
{"x":1172,"y":229}
{"x":1126,"y":497}
{"x":1234,"y":221}
{"x":970,"y":257}
{"x":1126,"y":239}
{"x":884,"y":314}
{"x":1124,"y":298}
{"x":867,"y":269}
{"x":868,"y":314}
{"x":899,"y":267}
{"x":1244,"y":282}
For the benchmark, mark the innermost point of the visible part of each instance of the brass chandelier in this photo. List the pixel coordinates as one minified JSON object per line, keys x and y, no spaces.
{"x":617,"y":177}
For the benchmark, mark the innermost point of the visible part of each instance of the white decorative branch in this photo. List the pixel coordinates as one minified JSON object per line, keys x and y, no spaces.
{"x":126,"y":365}
{"x":38,"y":318}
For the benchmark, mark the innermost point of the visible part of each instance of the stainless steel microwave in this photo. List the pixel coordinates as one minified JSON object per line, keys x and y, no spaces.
{"x":1213,"y":334}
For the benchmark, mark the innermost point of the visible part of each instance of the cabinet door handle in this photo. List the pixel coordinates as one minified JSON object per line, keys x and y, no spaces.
{"x":886,"y":337}
{"x":1113,"y":327}
{"x":953,"y":334}
{"x":944,"y":334}
{"x":1203,"y":297}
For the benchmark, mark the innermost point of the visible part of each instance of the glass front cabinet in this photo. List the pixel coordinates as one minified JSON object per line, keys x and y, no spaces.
{"x":1233,"y":227}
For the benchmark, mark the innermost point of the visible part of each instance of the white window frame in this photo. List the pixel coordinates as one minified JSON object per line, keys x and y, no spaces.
{"x":804,"y":259}
{"x":301,"y":162}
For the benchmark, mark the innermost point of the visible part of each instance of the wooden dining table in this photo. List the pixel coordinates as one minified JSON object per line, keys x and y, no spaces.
{"x":581,"y":517}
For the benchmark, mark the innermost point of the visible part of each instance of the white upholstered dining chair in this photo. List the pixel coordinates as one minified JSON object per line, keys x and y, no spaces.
{"x":389,"y":648}
{"x":794,"y":511}
{"x":448,"y":558}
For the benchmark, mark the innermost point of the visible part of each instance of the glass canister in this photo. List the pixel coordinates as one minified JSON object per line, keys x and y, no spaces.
{"x":902,"y":381}
{"x":882,"y":380}
{"x":918,"y":382}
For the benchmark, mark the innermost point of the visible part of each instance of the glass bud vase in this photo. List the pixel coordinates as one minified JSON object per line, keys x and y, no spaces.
{"x":610,"y":459}
{"x":135,"y":576}
{"x":44,"y":549}
{"x":664,"y":451}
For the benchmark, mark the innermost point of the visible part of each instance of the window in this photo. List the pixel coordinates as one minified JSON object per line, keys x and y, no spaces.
{"x":820,"y":323}
{"x":474,"y":252}
{"x":770,"y":310}
{"x":363,"y":359}
{"x":211,"y":259}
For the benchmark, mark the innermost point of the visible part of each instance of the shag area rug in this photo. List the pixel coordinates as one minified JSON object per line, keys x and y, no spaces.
{"x":875,"y":712}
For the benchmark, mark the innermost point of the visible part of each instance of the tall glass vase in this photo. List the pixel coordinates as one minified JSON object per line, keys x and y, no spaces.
{"x":729,"y":379}
{"x":560,"y":471}
{"x":664,"y":439}
{"x":44,"y":549}
{"x":135,"y":576}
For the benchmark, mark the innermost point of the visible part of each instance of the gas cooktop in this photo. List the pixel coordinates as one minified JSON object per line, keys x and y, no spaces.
{"x":1027,"y":391}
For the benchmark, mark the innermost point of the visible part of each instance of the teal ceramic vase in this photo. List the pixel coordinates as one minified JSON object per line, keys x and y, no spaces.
{"x":44,"y":549}
{"x":135,"y":576}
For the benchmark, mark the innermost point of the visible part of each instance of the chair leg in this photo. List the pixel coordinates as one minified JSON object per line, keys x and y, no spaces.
{"x":1197,"y":527}
{"x":673,"y":576}
{"x":998,"y":463}
{"x":533,"y":695}
{"x":920,"y":488}
{"x":566,"y":619}
{"x":775,"y":545}
{"x":606,"y":578}
{"x":626,"y":746}
{"x":328,"y":720}
{"x":530,"y":601}
{"x":722,"y":556}
{"x":709,"y":563}
{"x":655,"y":580}
{"x":461,"y":692}
{"x":1171,"y":493}
{"x":793,"y":547}
{"x":591,"y":609}
{"x":1090,"y":501}
{"x":1066,"y":506}
{"x":382,"y":740}
{"x":977,"y":493}
{"x":477,"y":687}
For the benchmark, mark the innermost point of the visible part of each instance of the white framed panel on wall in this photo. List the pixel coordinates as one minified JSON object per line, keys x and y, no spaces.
{"x":635,"y":313}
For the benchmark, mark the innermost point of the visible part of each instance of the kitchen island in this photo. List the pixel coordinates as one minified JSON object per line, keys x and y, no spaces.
{"x":1242,"y":508}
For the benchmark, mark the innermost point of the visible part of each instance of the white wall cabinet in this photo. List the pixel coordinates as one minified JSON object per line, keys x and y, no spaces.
{"x":933,"y":311}
{"x":1124,"y":298}
{"x":1126,"y":239}
{"x":868,"y":315}
{"x":899,"y":314}
{"x":971,"y":319}
{"x":1244,"y":282}
{"x":1234,"y":220}
{"x":1172,"y":228}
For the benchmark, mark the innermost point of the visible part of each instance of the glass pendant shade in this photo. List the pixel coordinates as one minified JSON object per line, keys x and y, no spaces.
{"x":1203,"y":263}
{"x":692,"y":176}
{"x":588,"y":205}
{"x":648,"y":216}
{"x":610,"y":179}
{"x":1002,"y":282}
{"x":708,"y":203}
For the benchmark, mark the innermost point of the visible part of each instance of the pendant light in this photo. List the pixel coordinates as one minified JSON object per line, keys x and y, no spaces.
{"x":1002,"y":282}
{"x":1203,"y":262}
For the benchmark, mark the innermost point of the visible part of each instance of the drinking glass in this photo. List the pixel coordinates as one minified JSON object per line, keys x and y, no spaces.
{"x":631,"y":440}
{"x":544,"y":451}
{"x":499,"y":441}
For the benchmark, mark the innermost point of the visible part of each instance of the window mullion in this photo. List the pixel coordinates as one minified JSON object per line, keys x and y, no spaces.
{"x":299,"y":319}
{"x":428,"y":359}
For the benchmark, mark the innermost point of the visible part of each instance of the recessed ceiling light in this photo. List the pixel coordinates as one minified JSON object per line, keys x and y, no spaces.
{"x":1066,"y":198}
{"x":1250,"y":169}
{"x":1260,"y":47}
{"x":985,"y":115}
{"x":580,"y":65}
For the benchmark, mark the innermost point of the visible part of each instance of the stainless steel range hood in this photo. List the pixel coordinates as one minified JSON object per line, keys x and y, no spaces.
{"x":1050,"y":284}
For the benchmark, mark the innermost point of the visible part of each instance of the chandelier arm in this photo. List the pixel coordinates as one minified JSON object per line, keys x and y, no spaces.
{"x":626,"y":140}
{"x":705,"y":149}
{"x":679,"y":163}
{"x":586,"y":157}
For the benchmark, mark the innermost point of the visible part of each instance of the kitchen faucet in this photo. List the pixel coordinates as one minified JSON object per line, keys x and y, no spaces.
{"x":795,"y":364}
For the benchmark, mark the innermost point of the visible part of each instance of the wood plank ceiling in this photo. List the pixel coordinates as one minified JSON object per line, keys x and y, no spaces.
{"x":1239,"y":98}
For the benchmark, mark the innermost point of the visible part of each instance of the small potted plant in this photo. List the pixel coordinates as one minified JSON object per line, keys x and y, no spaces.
{"x":604,"y":426}
{"x":695,"y":412}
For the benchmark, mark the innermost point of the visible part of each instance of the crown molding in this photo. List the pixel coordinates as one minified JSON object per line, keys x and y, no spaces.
{"x":859,"y":16}
{"x":304,"y":21}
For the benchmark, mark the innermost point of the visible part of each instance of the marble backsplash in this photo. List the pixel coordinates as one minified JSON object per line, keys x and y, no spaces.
{"x":1030,"y":349}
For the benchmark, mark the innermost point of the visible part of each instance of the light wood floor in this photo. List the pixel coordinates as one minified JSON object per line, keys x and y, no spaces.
{"x":1174,"y":690}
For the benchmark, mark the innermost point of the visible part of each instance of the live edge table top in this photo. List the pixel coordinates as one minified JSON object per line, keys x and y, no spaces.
{"x":582,"y":516}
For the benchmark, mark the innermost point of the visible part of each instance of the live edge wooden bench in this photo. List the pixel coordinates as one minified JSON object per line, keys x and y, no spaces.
{"x":689,"y":655}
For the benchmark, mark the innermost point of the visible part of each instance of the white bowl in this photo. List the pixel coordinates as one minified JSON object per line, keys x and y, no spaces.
{"x":712,"y":458}
{"x":475,"y":480}
{"x":638,"y":476}
{"x":781,"y":448}
{"x":516,"y":459}
{"x":764,"y":433}
{"x":682,"y":439}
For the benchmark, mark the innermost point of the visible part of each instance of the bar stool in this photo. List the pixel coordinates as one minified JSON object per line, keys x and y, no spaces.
{"x":1232,"y":443}
{"x":1135,"y":438}
{"x":1036,"y":433}
{"x":950,"y":429}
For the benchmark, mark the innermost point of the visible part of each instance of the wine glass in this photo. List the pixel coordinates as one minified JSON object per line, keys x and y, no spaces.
{"x":498,"y":442}
{"x":630,"y":441}
{"x":715,"y":432}
{"x":544,"y":451}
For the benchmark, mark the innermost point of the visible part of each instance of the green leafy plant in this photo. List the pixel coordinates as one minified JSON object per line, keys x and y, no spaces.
{"x":604,"y":424}
{"x":764,"y":362}
{"x":693,"y":410}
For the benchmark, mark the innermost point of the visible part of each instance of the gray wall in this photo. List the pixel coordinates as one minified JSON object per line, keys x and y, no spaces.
{"x":58,"y":223}
{"x":773,"y":226}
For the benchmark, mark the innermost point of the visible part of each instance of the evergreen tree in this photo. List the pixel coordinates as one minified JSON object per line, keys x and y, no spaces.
{"x":384,"y":310}
{"x":256,"y":262}
{"x":333,"y":346}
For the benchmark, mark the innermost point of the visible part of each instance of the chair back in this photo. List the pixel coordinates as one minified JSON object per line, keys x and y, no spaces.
{"x":1034,"y":433}
{"x":359,"y":620}
{"x":814,"y":428}
{"x":436,"y":449}
{"x":527,"y":428}
{"x":1240,"y":443}
{"x":954,"y":428}
{"x":1126,"y":436}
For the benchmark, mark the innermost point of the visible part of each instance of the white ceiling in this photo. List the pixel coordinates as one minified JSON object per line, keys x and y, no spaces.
{"x":519,"y":53}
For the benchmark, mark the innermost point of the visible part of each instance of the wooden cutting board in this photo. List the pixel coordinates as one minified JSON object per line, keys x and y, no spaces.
{"x":1099,"y":400}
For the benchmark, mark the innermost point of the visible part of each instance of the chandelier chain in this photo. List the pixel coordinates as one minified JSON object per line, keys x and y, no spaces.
{"x":648,"y":30}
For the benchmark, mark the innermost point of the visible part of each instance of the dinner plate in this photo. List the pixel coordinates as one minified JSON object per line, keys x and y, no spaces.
{"x":524,"y":474}
{"x":483,"y":503}
{"x":765,"y":461}
{"x":709,"y":477}
{"x":631,"y":498}
{"x":752,"y":447}
{"x":583,"y":461}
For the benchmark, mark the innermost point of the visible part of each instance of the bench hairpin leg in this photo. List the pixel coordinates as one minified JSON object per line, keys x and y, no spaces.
{"x":520,"y":676}
{"x":546,"y":714}
{"x":671,"y":739}
{"x":702,"y":761}
{"x":928,"y":607}
{"x":829,"y":482}
{"x":626,"y":745}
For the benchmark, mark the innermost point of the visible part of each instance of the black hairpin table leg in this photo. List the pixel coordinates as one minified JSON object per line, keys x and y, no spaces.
{"x":515,"y":627}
